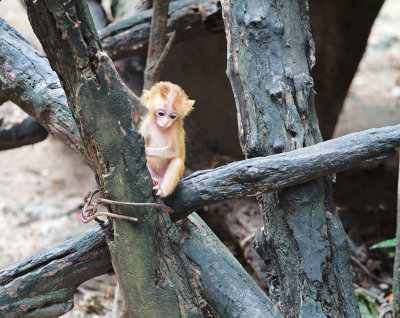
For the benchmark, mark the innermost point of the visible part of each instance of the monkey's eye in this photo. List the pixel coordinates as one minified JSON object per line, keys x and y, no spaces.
{"x":172,"y":116}
{"x":160,"y":113}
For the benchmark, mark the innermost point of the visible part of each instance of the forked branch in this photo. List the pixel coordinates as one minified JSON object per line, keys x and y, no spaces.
{"x":157,"y":49}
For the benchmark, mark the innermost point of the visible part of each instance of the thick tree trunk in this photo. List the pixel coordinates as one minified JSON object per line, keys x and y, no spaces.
{"x":270,"y":52}
{"x":156,"y":278}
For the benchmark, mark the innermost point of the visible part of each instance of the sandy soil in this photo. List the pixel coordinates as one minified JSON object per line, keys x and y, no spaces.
{"x":42,"y":186}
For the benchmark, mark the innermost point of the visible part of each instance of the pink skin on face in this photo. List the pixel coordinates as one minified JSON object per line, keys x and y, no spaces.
{"x":165,"y":117}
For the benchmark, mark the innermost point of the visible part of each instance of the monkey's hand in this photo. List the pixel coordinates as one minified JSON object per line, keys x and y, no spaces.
{"x":156,"y":183}
{"x":157,"y":187}
{"x":160,"y":191}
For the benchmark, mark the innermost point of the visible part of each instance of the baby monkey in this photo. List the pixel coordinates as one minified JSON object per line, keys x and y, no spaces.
{"x":162,"y":129}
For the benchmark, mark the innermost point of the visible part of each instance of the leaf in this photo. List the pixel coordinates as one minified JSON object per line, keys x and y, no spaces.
{"x":366,"y":312}
{"x":384,"y":244}
{"x":366,"y":304}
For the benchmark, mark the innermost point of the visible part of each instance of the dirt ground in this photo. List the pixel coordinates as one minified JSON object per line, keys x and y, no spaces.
{"x":42,"y":186}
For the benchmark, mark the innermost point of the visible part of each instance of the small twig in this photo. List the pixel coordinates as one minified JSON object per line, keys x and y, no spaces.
{"x":369,"y":293}
{"x":164,"y":53}
{"x":355,"y":260}
{"x":157,"y":40}
{"x":90,"y":213}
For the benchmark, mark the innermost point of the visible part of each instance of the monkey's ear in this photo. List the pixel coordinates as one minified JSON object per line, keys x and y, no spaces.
{"x":190,"y":103}
{"x":145,"y":96}
{"x":187,"y":107}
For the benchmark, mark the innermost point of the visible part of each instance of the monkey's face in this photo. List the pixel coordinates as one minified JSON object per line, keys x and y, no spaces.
{"x":165,"y":118}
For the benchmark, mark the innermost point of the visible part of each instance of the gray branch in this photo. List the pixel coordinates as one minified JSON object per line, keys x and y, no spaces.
{"x":27,"y":132}
{"x":259,"y":175}
{"x":27,"y":80}
{"x":46,"y":281}
{"x":157,"y":43}
{"x":189,"y":17}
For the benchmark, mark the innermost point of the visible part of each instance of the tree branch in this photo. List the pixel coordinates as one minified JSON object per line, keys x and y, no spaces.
{"x":189,"y":17}
{"x":27,"y":79}
{"x":28,"y":132}
{"x":259,"y":175}
{"x":46,"y":281}
{"x":157,"y":43}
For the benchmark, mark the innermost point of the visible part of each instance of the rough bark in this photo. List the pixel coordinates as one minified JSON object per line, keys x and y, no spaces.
{"x":228,"y":288}
{"x":27,"y":79}
{"x":235,"y":222}
{"x":27,"y":132}
{"x":341,"y":34}
{"x":130,"y":36}
{"x":155,"y":277}
{"x":47,"y":280}
{"x":270,"y":52}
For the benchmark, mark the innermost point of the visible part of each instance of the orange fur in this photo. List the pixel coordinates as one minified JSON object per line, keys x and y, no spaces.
{"x":164,"y":135}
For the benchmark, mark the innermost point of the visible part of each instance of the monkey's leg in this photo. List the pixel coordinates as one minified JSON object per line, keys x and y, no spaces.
{"x":171,"y":177}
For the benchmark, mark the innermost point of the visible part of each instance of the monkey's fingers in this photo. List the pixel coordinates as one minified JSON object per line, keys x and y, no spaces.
{"x":156,"y":187}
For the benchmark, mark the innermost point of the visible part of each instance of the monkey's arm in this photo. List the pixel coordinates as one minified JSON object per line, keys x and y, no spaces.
{"x":175,"y":167}
{"x":166,"y":152}
{"x":171,"y":177}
